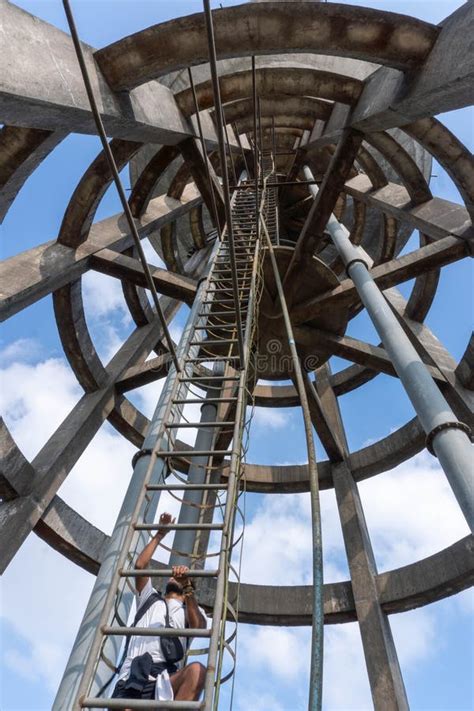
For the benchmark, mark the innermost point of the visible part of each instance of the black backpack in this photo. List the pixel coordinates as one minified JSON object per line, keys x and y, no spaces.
{"x":171,"y":647}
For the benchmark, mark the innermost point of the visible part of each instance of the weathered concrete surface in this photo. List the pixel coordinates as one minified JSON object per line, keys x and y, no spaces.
{"x":121,"y":266}
{"x":33,"y":274}
{"x":16,"y":474}
{"x":21,"y":152}
{"x":443,"y":83}
{"x":287,"y":80}
{"x":360,"y":33}
{"x":436,"y":218}
{"x":392,"y":98}
{"x":436,"y":254}
{"x":53,"y":95}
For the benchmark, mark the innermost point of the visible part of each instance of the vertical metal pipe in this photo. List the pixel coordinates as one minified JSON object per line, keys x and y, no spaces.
{"x":204,"y":152}
{"x":260,"y":131}
{"x":446,"y":436}
{"x":225,"y":177}
{"x":274,"y":142}
{"x":317,"y":637}
{"x":190,"y":512}
{"x":255,"y":147}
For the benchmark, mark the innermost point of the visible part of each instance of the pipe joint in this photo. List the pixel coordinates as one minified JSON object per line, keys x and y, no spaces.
{"x":355,"y":260}
{"x":453,"y":424}
{"x":141,"y":453}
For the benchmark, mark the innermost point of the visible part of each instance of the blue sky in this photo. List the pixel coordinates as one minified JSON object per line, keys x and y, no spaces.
{"x":43,"y":595}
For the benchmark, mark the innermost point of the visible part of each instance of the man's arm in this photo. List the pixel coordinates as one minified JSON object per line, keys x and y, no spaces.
{"x":196,"y":620}
{"x":146,"y":555}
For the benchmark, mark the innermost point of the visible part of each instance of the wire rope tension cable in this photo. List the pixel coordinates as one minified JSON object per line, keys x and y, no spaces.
{"x":446,"y":437}
{"x":225,"y":177}
{"x":317,"y":639}
{"x":116,"y":178}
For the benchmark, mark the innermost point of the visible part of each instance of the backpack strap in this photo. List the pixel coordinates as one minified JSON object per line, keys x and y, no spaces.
{"x":151,"y":599}
{"x":149,"y":602}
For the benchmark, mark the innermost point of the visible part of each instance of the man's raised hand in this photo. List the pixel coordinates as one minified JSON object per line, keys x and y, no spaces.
{"x":165,"y":520}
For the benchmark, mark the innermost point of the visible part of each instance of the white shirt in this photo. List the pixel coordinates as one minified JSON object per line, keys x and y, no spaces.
{"x":155,"y":616}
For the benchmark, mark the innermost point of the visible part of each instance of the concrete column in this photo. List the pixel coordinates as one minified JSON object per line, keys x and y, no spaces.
{"x":385,"y":677}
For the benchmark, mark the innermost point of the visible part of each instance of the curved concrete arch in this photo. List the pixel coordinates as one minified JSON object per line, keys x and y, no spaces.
{"x":244,"y":30}
{"x":22,"y":150}
{"x":285,"y":80}
{"x":442,"y":574}
{"x":277,"y":105}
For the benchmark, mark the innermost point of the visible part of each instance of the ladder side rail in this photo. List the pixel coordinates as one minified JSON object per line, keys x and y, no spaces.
{"x":219,"y":613}
{"x":77,"y":676}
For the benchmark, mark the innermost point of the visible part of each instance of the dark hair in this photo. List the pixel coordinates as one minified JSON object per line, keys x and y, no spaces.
{"x":173,"y":587}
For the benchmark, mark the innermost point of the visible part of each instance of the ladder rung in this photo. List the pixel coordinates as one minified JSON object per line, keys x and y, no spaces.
{"x":184,"y":487}
{"x":221,"y":301}
{"x":175,"y":425}
{"x":93,"y":702}
{"x":211,"y":342}
{"x":165,"y":573}
{"x":221,"y":313}
{"x":155,"y":632}
{"x":226,"y":260}
{"x":180,"y":526}
{"x":204,"y":401}
{"x":213,"y":358}
{"x":221,"y":279}
{"x":216,"y":327}
{"x":209,"y":377}
{"x":193,"y":453}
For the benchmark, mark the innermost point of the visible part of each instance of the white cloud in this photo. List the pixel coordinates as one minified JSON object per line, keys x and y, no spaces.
{"x":278,"y":541}
{"x":259,"y":702}
{"x":282,"y":652}
{"x":343,"y":651}
{"x":277,"y":550}
{"x":35,"y":399}
{"x":103,"y":296}
{"x":272,"y":418}
{"x":416,"y":636}
{"x":43,"y":599}
{"x":411,"y":512}
{"x":44,"y":656}
{"x":24,"y":349}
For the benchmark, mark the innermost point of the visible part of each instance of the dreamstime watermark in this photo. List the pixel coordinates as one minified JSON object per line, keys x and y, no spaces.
{"x":274,"y":360}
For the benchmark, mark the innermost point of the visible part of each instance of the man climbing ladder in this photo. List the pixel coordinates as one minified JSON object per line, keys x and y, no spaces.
{"x":153,"y":666}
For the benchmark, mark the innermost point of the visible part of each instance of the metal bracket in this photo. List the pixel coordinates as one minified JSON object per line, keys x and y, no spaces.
{"x":455,"y":424}
{"x":354,"y":261}
{"x":139,"y":454}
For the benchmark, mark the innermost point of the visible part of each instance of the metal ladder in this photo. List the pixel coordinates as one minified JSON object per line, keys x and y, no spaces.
{"x":270,"y":208}
{"x":211,"y":373}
